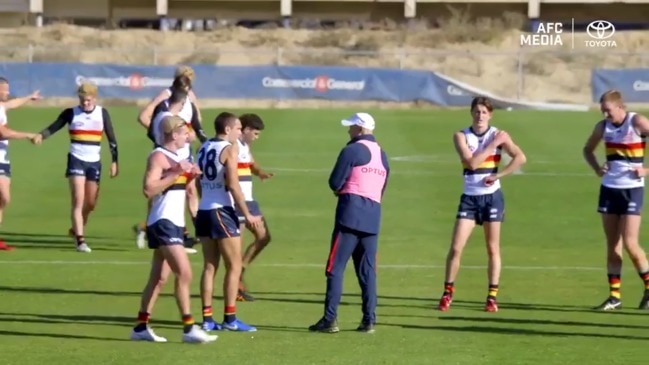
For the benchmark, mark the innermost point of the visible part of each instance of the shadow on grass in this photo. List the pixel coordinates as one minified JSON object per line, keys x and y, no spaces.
{"x":117,"y":293}
{"x":54,"y":241}
{"x":432,"y":303}
{"x":81,"y":319}
{"x":516,"y":331}
{"x":58,"y":335}
{"x":529,"y":321}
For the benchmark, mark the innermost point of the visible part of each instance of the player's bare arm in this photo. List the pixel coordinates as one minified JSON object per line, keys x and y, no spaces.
{"x":590,"y":146}
{"x":256,"y":170}
{"x":641,"y":124}
{"x":7,"y":133}
{"x":517,"y":155}
{"x":145,"y":116}
{"x":18,"y":102}
{"x":468,"y":157}
{"x":154,"y":183}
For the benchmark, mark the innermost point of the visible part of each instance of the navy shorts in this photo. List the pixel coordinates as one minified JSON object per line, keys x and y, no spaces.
{"x":164,"y":233}
{"x":77,"y":167}
{"x":217,"y":223}
{"x":482,"y":208}
{"x":620,"y":201}
{"x":5,"y":169}
{"x":253,"y":208}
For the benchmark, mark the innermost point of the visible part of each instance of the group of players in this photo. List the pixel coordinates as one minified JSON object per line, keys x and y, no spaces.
{"x":222,"y":173}
{"x":211,"y":185}
{"x":181,"y":101}
{"x":217,"y":189}
{"x":87,"y":123}
{"x":620,"y":202}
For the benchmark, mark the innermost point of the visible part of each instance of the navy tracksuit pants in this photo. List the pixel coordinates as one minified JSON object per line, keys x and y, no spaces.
{"x":362,"y":248}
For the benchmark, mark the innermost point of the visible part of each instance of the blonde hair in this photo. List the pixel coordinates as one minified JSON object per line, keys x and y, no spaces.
{"x":185,"y":71}
{"x":87,"y":89}
{"x":171,"y":123}
{"x":613,"y":96}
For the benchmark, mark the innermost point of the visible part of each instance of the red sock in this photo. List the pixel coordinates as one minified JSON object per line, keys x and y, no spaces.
{"x":229,"y":313}
{"x":143,"y":317}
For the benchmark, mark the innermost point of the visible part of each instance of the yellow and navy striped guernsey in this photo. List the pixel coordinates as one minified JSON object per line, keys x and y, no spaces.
{"x":624,"y":152}
{"x":180,"y":183}
{"x":245,"y":174}
{"x":86,"y":130}
{"x":474,"y":178}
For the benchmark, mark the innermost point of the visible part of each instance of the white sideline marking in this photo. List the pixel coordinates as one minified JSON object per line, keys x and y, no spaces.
{"x":432,"y":159}
{"x":301,"y":266}
{"x":452,"y":159}
{"x":432,"y":173}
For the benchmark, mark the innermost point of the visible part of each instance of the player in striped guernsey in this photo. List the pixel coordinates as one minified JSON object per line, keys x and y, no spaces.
{"x":7,"y":134}
{"x":482,"y":202}
{"x":621,"y":193}
{"x":217,"y":224}
{"x":147,"y":113}
{"x":166,"y":176}
{"x":87,"y":123}
{"x":178,"y":101}
{"x":252,"y":125}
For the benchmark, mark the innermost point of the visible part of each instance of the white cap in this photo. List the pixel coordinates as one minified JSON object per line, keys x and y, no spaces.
{"x":362,"y":120}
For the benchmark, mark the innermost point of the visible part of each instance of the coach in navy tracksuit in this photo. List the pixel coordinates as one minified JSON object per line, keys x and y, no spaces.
{"x":358,"y":179}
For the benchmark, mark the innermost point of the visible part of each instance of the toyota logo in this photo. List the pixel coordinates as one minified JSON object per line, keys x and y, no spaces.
{"x":600,"y":29}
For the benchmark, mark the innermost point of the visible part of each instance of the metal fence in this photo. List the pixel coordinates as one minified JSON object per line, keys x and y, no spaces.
{"x":534,"y":74}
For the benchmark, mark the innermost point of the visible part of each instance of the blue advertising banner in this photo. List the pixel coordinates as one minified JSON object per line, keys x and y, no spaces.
{"x":238,"y":82}
{"x":632,"y":83}
{"x":128,"y":82}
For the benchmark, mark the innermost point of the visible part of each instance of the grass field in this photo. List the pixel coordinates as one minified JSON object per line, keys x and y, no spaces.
{"x":63,"y":307}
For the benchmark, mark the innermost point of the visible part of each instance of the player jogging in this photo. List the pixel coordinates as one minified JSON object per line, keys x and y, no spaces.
{"x":165,"y":178}
{"x":183,"y":107}
{"x":86,"y":124}
{"x":217,"y":225}
{"x":252,"y":125}
{"x":5,"y":164}
{"x":621,"y":193}
{"x":479,"y":147}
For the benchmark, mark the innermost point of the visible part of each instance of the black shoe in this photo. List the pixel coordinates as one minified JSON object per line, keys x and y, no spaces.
{"x":644,"y":303}
{"x":611,"y":303}
{"x":366,"y":327}
{"x":325,"y":326}
{"x":244,"y":296}
{"x":189,"y":242}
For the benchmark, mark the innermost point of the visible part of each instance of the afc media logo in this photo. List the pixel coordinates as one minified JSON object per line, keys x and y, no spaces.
{"x":547,"y":34}
{"x":600,"y":34}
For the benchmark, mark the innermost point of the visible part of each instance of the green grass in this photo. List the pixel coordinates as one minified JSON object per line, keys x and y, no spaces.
{"x":64,"y":307}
